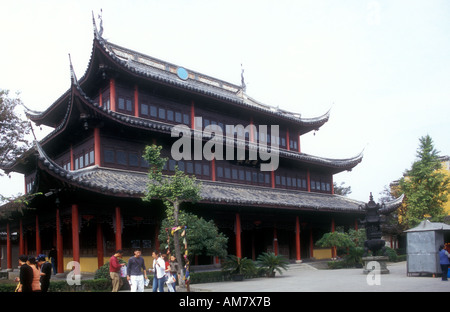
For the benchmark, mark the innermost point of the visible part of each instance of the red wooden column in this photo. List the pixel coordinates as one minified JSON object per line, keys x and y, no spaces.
{"x":21,"y":245}
{"x":100,"y":98}
{"x":275,"y":240}
{"x":118,"y":228}
{"x":297,"y":239}
{"x":38,"y":237}
{"x":97,"y":149}
{"x":238,"y":236}
{"x":8,"y":248}
{"x":272,"y":178}
{"x":356,"y":224}
{"x":213,"y":169}
{"x":72,"y":162}
{"x":193,"y":115}
{"x":100,"y":253}
{"x":59,"y":245}
{"x":75,"y":234}
{"x":136,"y":101}
{"x":308,"y":180}
{"x":112,"y":94}
{"x":287,"y":140}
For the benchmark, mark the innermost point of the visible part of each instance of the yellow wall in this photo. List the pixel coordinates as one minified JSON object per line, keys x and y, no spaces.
{"x":90,"y":264}
{"x":446,"y":169}
{"x":322,"y":253}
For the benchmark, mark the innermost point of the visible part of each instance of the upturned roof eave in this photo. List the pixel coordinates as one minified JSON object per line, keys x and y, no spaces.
{"x":97,"y":179}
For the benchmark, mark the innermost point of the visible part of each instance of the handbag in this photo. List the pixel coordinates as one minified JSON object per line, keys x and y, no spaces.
{"x":171,"y":279}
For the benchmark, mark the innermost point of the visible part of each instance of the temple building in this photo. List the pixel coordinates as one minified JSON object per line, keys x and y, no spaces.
{"x":91,"y":176}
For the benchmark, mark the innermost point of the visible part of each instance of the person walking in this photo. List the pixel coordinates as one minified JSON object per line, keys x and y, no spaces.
{"x":114,"y":270}
{"x":158,"y":268}
{"x":174,"y":271}
{"x":136,"y":272}
{"x":35,"y":284}
{"x":45,"y":272}
{"x":444,"y":261}
{"x":53,"y":257}
{"x":167,"y":274}
{"x":25,"y":275}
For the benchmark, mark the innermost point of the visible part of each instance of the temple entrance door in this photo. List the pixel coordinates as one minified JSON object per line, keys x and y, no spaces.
{"x":258,"y":242}
{"x":305,"y":243}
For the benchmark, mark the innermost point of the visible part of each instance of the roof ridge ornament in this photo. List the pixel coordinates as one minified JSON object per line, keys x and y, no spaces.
{"x":243,"y":85}
{"x":98,"y":33}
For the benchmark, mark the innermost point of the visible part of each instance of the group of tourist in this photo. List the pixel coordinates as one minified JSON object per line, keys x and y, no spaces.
{"x":164,"y":271}
{"x":34,"y":274}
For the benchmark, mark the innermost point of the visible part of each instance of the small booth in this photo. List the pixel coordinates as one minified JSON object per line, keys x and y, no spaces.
{"x":422,"y":248}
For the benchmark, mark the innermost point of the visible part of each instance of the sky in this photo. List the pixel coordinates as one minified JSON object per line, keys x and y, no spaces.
{"x":381,"y":66}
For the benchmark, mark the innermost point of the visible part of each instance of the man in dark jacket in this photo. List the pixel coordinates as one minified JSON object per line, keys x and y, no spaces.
{"x":46,"y":273}
{"x":25,"y":275}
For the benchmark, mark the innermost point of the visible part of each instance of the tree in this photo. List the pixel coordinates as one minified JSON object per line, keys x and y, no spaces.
{"x":202,"y":236}
{"x":341,"y":189}
{"x":13,"y":130}
{"x":350,"y":245}
{"x":173,"y":190}
{"x":425,"y":187}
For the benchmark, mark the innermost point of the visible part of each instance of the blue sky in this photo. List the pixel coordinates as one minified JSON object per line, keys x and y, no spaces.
{"x":383,"y":67}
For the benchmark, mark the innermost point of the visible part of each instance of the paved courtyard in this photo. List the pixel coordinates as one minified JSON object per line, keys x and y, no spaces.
{"x":305,"y":278}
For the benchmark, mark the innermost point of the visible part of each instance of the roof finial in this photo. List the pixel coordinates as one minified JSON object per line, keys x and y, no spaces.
{"x":73,"y":77}
{"x":100,"y":17}
{"x":97,"y":33}
{"x":243,"y":85}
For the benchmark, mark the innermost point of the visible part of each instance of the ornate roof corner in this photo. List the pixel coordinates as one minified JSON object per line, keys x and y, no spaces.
{"x":391,"y":206}
{"x":320,"y":120}
{"x":30,"y":113}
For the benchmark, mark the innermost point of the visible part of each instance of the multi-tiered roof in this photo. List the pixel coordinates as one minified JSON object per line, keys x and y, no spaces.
{"x":78,"y":108}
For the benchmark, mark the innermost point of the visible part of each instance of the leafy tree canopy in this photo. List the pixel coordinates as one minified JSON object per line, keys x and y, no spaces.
{"x":203,"y":237}
{"x":426,"y":188}
{"x":13,"y":130}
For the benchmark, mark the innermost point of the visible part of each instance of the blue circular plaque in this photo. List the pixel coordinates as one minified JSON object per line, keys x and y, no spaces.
{"x":182,"y":73}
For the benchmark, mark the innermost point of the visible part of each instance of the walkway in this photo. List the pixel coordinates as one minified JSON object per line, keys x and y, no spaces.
{"x":305,"y":278}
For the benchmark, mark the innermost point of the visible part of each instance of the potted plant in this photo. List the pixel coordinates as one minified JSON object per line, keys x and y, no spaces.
{"x":238,"y":267}
{"x":272,"y":263}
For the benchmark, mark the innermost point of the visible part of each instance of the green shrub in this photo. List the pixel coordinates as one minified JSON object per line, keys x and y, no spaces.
{"x":236,"y":265}
{"x":272,"y":263}
{"x":8,"y":287}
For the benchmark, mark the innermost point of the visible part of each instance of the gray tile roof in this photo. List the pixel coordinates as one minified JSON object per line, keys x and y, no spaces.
{"x":126,"y":183}
{"x":147,"y":66}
